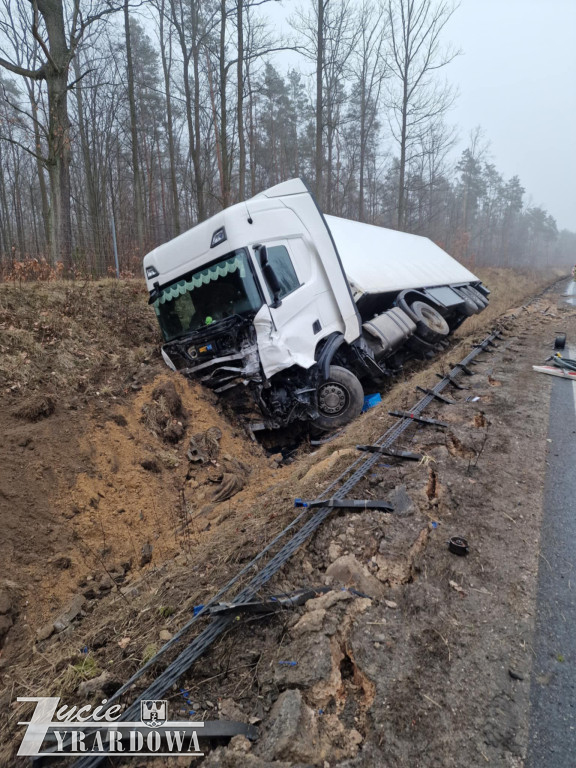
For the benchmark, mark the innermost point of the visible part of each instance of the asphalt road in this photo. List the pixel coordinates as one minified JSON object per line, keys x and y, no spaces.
{"x":553,"y":688}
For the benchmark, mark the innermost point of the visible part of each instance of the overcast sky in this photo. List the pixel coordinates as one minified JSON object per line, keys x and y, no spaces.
{"x":517,"y":80}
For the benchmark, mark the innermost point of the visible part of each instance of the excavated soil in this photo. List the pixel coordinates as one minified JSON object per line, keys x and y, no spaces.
{"x":137,"y":499}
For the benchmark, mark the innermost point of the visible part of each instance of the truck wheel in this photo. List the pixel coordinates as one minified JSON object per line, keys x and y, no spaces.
{"x":430,"y":325}
{"x":340,"y":399}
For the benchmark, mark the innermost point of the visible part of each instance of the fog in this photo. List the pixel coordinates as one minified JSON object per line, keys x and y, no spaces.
{"x":516,"y":80}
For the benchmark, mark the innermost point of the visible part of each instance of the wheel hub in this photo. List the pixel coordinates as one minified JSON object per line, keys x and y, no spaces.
{"x":332,"y":398}
{"x":431,"y":320}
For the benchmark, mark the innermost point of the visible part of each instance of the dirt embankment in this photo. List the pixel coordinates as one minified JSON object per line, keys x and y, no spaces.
{"x":110,"y":461}
{"x":124,"y":489}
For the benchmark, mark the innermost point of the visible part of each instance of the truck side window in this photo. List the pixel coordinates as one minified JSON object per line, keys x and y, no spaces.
{"x":280,"y":261}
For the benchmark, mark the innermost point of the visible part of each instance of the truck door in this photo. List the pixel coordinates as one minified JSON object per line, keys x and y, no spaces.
{"x":289,"y":332}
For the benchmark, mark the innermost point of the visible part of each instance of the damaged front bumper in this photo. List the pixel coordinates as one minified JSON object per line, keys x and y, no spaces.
{"x":229,"y":371}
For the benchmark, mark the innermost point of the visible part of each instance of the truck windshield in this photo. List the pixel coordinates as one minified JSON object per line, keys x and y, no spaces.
{"x":197,"y":299}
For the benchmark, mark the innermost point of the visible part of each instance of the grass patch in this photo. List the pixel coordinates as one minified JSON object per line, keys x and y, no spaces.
{"x":149,"y":652}
{"x":85,"y":668}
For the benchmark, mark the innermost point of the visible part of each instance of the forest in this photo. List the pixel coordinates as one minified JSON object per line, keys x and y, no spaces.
{"x":122,"y":124}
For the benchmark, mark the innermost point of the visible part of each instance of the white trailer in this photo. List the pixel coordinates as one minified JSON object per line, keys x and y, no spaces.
{"x":271,"y":298}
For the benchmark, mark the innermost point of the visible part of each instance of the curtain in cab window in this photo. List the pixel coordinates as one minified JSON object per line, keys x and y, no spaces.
{"x":281,"y":263}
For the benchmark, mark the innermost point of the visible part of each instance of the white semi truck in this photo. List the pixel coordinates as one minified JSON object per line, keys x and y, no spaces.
{"x":272,"y":302}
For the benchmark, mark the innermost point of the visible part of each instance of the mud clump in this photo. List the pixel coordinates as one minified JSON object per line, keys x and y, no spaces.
{"x":118,"y":419}
{"x":231,"y":484}
{"x":205,"y":446}
{"x":146,"y":556}
{"x":36,"y":408}
{"x":151,"y":465}
{"x":167,"y":395}
{"x":6,"y":615}
{"x":165,"y":415}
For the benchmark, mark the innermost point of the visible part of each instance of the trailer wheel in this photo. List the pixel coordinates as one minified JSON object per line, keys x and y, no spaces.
{"x":340,"y":399}
{"x":430,"y":325}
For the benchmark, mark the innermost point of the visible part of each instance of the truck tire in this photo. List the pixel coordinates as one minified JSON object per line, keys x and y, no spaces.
{"x":340,"y":399}
{"x":430,"y":325}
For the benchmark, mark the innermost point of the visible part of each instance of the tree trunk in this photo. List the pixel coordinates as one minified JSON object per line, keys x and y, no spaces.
{"x":363,"y":139}
{"x":240,"y":105}
{"x":196,"y":159}
{"x":56,"y":75}
{"x":39,"y":165}
{"x":251,"y":132}
{"x":225,"y":180}
{"x":318,"y":158}
{"x":5,"y":219}
{"x":59,"y":168}
{"x":138,"y":202}
{"x":169,"y":127}
{"x":402,"y":169}
{"x":99,"y":258}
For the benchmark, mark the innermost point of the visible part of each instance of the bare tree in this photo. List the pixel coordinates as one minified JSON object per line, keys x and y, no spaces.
{"x":58,"y":38}
{"x":165,"y":40}
{"x":370,"y":68}
{"x":417,"y":100}
{"x":138,"y":200}
{"x":328,"y":33}
{"x":192,"y":29}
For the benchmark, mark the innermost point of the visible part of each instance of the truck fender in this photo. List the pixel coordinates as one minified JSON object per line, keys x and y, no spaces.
{"x":333,"y":342}
{"x":402,"y":302}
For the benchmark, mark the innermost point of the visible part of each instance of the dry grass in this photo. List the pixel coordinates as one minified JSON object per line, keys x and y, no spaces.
{"x":510,"y":288}
{"x":63,"y":337}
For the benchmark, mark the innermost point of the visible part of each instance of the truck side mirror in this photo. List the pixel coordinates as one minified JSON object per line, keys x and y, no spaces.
{"x":270,"y":276}
{"x":155,"y":293}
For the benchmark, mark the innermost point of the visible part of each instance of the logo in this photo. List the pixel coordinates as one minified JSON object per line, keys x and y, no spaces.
{"x":153,"y":712}
{"x":55,"y":730}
